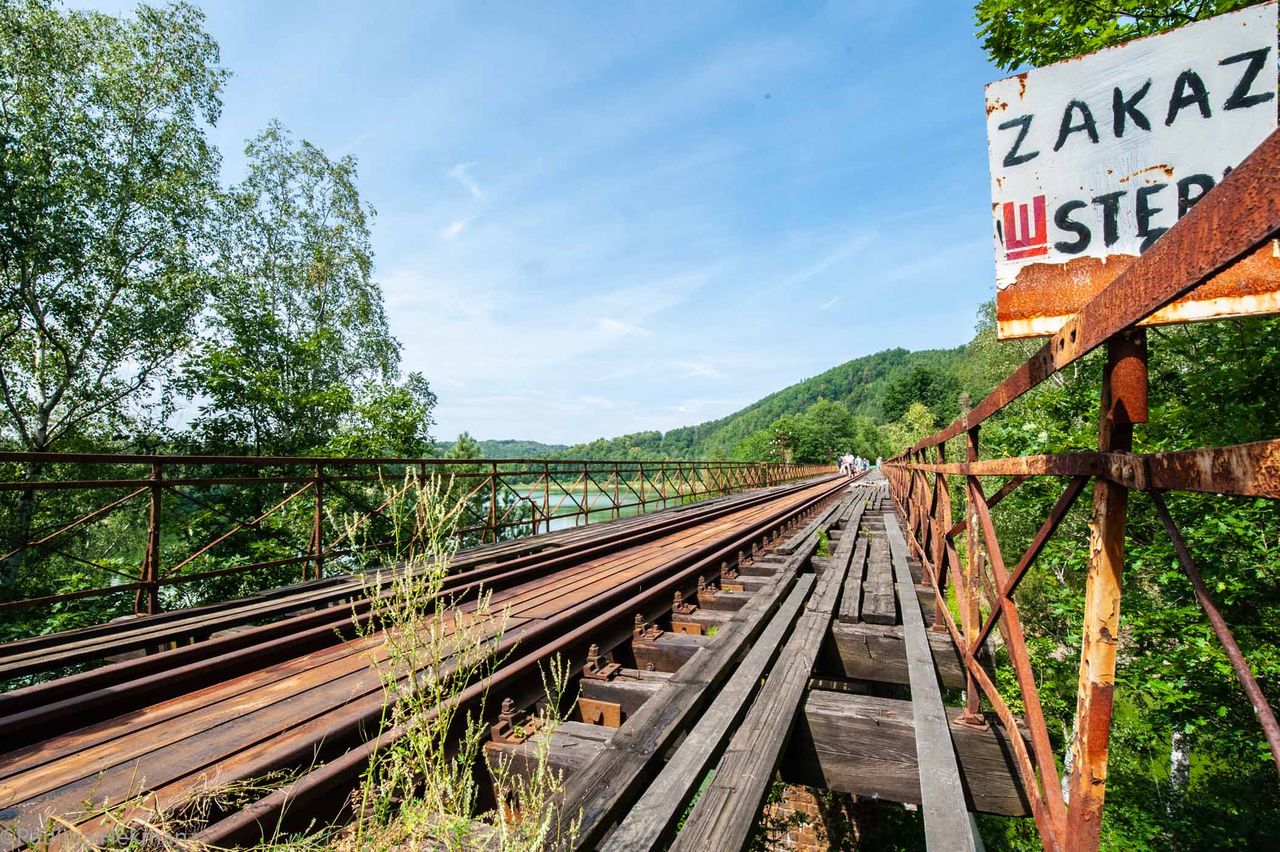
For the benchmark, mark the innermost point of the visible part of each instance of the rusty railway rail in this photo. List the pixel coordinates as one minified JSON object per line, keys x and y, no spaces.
{"x":321,"y":515}
{"x":592,"y":589}
{"x":1238,"y":217}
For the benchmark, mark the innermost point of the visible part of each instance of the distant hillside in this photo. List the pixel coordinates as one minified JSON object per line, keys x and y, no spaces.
{"x":511,"y":448}
{"x":859,"y":384}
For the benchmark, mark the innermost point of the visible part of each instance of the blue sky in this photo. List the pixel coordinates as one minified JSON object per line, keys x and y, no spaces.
{"x":597,"y":218}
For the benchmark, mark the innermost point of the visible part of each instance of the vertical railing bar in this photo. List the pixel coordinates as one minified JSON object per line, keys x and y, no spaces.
{"x":493,"y":501}
{"x":147,"y":599}
{"x":317,"y":526}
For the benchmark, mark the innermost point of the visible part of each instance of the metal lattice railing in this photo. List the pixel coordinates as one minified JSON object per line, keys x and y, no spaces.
{"x":1239,"y":217}
{"x":193,"y":519}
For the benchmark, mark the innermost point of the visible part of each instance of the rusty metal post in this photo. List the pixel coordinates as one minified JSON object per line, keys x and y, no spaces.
{"x":970,"y":577}
{"x":493,"y":501}
{"x":940,"y":522}
{"x":317,"y":529}
{"x":617,"y":507}
{"x":418,"y":508}
{"x":147,"y":599}
{"x":546,"y":494}
{"x":586,"y":495}
{"x":1124,"y":403}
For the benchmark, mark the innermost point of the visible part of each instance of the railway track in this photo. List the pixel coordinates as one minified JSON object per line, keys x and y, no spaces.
{"x":299,"y":693}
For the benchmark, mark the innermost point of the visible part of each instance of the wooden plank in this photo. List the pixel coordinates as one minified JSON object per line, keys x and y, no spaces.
{"x":726,"y":810}
{"x":763,"y":567}
{"x":947,"y":824}
{"x":719,"y":600}
{"x":825,"y":518}
{"x":597,"y":795}
{"x":877,"y":652}
{"x":851,"y":600}
{"x":865,"y":745}
{"x":750,"y":584}
{"x":877,"y":592}
{"x":706,"y":619}
{"x":649,"y":820}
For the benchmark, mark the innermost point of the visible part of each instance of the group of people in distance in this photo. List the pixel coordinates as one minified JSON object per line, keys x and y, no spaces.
{"x":854,"y":465}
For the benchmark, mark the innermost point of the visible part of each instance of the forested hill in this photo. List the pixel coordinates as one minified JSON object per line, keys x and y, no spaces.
{"x":508,"y":448}
{"x":878,"y":387}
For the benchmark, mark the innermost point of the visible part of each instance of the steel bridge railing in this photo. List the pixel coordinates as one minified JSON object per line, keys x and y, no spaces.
{"x":1239,"y":217}
{"x":192,"y":519}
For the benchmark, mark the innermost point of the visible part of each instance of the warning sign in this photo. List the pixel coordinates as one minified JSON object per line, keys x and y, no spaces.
{"x":1093,"y":159}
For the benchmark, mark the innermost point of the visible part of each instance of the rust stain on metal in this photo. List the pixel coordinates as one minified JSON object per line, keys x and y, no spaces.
{"x":605,"y":714}
{"x":1165,"y":168}
{"x":1045,"y":295}
{"x":1251,"y":470}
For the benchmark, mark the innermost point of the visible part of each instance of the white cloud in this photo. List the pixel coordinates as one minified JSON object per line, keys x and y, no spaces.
{"x":699,"y":370}
{"x":455,"y":227}
{"x":612,"y":329}
{"x":829,"y":302}
{"x":461,"y":173}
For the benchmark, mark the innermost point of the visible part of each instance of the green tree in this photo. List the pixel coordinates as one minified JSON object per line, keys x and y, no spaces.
{"x":106,"y":181}
{"x":938,"y":390}
{"x":298,"y":331}
{"x":387,"y":419}
{"x":787,"y":433}
{"x":917,"y":423}
{"x":1038,"y":32}
{"x":466,"y":447}
{"x":758,"y":447}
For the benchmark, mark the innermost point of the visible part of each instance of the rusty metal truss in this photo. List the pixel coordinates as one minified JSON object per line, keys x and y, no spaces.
{"x":1239,"y":217}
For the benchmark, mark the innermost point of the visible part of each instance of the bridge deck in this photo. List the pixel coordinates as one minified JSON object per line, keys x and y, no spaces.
{"x":689,"y":767}
{"x":805,"y":678}
{"x":282,"y":714}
